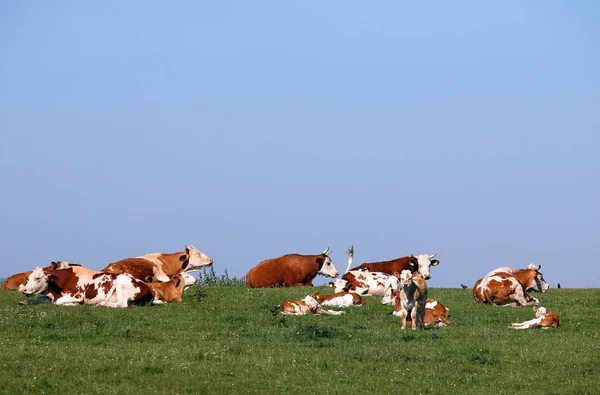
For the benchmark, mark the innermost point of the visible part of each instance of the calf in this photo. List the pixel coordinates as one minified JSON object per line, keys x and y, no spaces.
{"x":509,"y":287}
{"x":413,"y":297}
{"x":306,"y":306}
{"x":543,"y":319}
{"x":170,"y":291}
{"x":340,"y":299}
{"x":362,"y":282}
{"x":77,"y":285}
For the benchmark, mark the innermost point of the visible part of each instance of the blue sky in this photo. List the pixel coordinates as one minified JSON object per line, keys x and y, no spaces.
{"x":255,"y":129}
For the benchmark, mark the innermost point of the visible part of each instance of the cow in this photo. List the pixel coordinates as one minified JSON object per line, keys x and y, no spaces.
{"x":291,"y":270}
{"x":170,"y":291}
{"x":543,"y":319}
{"x":77,"y":285}
{"x":362,"y":282}
{"x":509,"y":287}
{"x":340,"y":299}
{"x":413,"y":297}
{"x":160,"y":266}
{"x":17,"y":281}
{"x":303,"y":307}
{"x":419,"y":263}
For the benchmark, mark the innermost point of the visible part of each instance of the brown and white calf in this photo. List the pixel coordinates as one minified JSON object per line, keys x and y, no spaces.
{"x":510,"y":287}
{"x":413,"y":297}
{"x":543,"y":319}
{"x":340,"y":299}
{"x":172,"y":290}
{"x":308,"y":305}
{"x":362,"y":282}
{"x":160,"y":266}
{"x":77,"y":285}
{"x":17,"y":281}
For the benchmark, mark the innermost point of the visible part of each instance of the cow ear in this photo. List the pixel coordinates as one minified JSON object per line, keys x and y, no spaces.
{"x":435,"y":262}
{"x":320,"y":260}
{"x":178,"y":281}
{"x":182,"y":257}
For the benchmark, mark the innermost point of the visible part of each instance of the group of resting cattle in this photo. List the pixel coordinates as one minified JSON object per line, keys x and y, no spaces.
{"x":401,"y":283}
{"x":161,"y":278}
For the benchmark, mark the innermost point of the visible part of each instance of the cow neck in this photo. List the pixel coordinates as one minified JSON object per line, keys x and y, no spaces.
{"x":524,"y":276}
{"x":58,"y":283}
{"x":171,"y":264}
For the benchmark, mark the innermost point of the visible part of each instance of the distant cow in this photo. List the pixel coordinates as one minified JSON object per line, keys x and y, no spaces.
{"x":17,"y":281}
{"x":306,"y":306}
{"x":77,"y":285}
{"x":340,"y":299}
{"x":413,"y":297}
{"x":419,"y":263}
{"x":291,"y":270}
{"x":543,"y":319}
{"x":160,"y":266}
{"x":510,"y":287}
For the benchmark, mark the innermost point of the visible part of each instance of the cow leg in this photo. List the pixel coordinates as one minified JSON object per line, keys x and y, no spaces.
{"x":525,"y":325}
{"x":68,"y":300}
{"x":413,"y":317}
{"x":402,"y":314}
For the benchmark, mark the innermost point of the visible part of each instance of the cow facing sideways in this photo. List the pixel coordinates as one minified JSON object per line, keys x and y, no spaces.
{"x":362,"y":282}
{"x":170,"y":291}
{"x":413,"y":297}
{"x":419,"y":263}
{"x":340,"y":299}
{"x":308,"y":305}
{"x":77,"y":285}
{"x":291,"y":270}
{"x":17,"y":281}
{"x":543,"y":319}
{"x":160,"y":266}
{"x":510,"y":287}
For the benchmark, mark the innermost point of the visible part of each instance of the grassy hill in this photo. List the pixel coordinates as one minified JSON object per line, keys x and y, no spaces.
{"x":229,"y":340}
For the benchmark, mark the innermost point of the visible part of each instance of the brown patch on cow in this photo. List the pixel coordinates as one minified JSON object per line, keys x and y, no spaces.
{"x":139,"y":268}
{"x":285,"y":271}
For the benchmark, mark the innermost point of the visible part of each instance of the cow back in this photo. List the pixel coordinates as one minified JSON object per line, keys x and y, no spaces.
{"x":284,"y":271}
{"x":139,"y":268}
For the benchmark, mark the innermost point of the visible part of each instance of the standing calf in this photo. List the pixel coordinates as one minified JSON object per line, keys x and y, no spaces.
{"x":413,"y":297}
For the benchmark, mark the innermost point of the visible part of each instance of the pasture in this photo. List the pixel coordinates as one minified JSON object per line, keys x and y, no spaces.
{"x":228,"y":339}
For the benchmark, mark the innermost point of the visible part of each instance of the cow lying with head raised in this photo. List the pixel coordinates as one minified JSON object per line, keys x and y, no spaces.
{"x":77,"y":285}
{"x":291,"y":270}
{"x":419,"y":263}
{"x":543,"y":319}
{"x":17,"y":281}
{"x":413,"y":297}
{"x":160,"y":266}
{"x":306,"y":306}
{"x":510,"y":287}
{"x":340,"y":299}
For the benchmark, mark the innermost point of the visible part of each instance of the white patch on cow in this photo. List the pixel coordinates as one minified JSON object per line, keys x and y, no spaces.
{"x":189,"y":280}
{"x":431,"y":305}
{"x":198,"y":259}
{"x":327,"y":269}
{"x":341,"y":301}
{"x":339,"y":284}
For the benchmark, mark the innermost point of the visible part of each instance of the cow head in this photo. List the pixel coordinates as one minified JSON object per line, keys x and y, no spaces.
{"x":538,"y":283}
{"x":311,"y":302}
{"x":188,"y":279}
{"x":326,"y":267}
{"x":390,"y":289}
{"x":339,"y":285}
{"x":422,"y":263}
{"x":195,"y":259}
{"x":37,"y":282}
{"x":405,"y":278}
{"x":539,"y":311}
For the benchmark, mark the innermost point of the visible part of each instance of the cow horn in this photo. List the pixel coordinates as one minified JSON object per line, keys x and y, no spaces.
{"x":326,"y":252}
{"x":411,"y":255}
{"x":433,"y":256}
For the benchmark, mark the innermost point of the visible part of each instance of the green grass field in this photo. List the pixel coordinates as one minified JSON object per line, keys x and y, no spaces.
{"x":229,"y":340}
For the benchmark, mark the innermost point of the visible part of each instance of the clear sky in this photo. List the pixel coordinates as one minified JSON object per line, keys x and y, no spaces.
{"x":252,"y":129}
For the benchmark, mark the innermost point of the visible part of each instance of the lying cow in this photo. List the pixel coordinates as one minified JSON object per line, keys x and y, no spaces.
{"x":308,"y":305}
{"x":77,"y":285}
{"x":17,"y":281}
{"x":160,"y":266}
{"x":413,"y":297}
{"x":362,"y":282}
{"x":291,"y":270}
{"x":510,"y":287}
{"x":168,"y":292}
{"x":340,"y":299}
{"x":418,"y":263}
{"x":543,"y":319}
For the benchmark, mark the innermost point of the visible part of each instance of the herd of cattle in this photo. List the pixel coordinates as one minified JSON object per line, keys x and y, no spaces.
{"x":161,"y":278}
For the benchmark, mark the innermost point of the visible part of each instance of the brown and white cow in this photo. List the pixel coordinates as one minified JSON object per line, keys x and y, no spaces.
{"x":308,"y":305}
{"x":340,"y":299}
{"x":291,"y":270}
{"x":17,"y":281}
{"x":419,"y":263}
{"x":413,"y":297}
{"x":77,"y":285}
{"x":510,"y":287}
{"x":170,"y":291}
{"x":160,"y":266}
{"x":362,"y":282}
{"x":543,"y":319}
